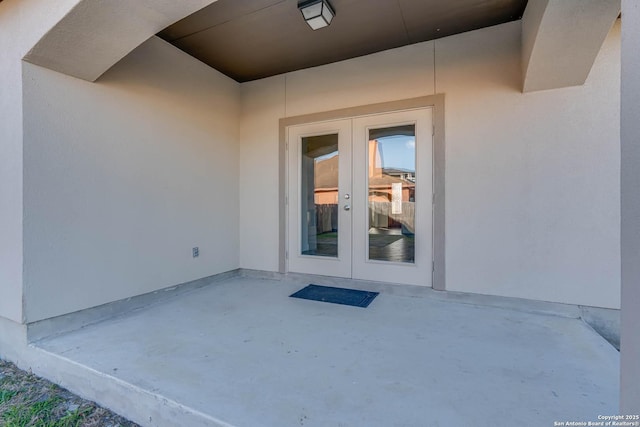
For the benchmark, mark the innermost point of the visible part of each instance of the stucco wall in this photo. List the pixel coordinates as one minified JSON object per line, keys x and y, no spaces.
{"x":532,"y":180}
{"x":22,"y":23}
{"x":360,"y":81}
{"x":630,"y":142}
{"x":124,"y":176}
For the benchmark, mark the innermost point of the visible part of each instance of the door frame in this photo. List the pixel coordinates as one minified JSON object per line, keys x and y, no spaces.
{"x":436,"y":102}
{"x":340,"y":265}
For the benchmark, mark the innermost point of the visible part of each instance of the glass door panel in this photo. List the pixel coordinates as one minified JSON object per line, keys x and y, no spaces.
{"x":392,"y":197}
{"x":319,"y":195}
{"x":391,"y":154}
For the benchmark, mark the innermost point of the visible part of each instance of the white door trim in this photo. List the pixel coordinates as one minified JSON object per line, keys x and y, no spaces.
{"x":418,"y":272}
{"x":353,"y":231}
{"x":339,"y":266}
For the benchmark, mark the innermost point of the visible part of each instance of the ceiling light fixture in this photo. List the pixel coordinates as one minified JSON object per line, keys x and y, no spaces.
{"x":317,"y":13}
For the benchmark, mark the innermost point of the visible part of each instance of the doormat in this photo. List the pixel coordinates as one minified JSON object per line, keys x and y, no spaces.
{"x":342,"y":296}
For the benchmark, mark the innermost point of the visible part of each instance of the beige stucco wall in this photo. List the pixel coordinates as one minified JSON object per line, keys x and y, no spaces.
{"x":532,"y":180}
{"x":365,"y":80}
{"x":22,"y":23}
{"x":630,"y":144}
{"x":124,"y":176}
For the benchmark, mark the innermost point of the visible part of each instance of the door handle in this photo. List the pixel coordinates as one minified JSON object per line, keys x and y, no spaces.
{"x":347,"y":207}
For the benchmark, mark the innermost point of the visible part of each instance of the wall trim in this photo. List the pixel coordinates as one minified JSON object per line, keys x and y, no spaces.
{"x":433,"y":101}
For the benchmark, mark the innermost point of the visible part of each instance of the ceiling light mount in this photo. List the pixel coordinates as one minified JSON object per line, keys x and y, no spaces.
{"x":317,"y":13}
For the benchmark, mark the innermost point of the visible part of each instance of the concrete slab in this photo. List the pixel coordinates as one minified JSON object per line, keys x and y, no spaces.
{"x":604,"y":321}
{"x":240,"y":352}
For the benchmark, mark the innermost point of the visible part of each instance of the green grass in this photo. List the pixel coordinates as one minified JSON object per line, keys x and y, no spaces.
{"x":42,"y":414}
{"x":6,"y":395}
{"x":74,"y":419}
{"x":35,"y":414}
{"x":27,"y":400}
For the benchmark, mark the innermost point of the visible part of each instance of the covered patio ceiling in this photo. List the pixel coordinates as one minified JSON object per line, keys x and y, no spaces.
{"x":253,"y":39}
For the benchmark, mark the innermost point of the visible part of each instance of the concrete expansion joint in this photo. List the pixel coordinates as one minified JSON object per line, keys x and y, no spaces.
{"x":569,"y":314}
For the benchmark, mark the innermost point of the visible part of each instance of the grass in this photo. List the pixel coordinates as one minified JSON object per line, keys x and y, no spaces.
{"x":27,"y":400}
{"x":6,"y":395}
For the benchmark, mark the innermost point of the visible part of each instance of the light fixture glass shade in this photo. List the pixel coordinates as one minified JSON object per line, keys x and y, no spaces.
{"x":317,"y":13}
{"x":327,"y":14}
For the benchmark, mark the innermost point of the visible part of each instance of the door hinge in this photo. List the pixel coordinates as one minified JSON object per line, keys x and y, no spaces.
{"x":286,"y":200}
{"x":433,"y":130}
{"x":286,"y":145}
{"x":433,"y":266}
{"x":433,"y":199}
{"x":286,"y":254}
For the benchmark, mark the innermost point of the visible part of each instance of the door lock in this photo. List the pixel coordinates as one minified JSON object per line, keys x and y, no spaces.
{"x":347,"y":196}
{"x":347,"y":207}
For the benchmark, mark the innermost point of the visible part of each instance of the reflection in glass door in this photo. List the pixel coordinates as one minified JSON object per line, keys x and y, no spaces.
{"x":391,"y":181}
{"x":319,"y":195}
{"x":392,"y":197}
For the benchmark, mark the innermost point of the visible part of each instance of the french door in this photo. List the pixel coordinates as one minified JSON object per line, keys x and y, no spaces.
{"x":360,"y":197}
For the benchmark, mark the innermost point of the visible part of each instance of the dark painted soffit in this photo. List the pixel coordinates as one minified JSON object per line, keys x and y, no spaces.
{"x":253,"y":39}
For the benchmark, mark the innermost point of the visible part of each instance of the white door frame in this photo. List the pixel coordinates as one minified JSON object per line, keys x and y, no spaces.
{"x":437,"y":102}
{"x":353,"y":235}
{"x":339,"y":266}
{"x":420,"y":271}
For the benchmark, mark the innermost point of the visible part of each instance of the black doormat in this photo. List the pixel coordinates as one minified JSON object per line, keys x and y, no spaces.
{"x":343,"y":296}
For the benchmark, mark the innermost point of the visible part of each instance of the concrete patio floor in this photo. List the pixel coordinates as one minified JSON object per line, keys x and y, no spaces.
{"x":240,"y":352}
